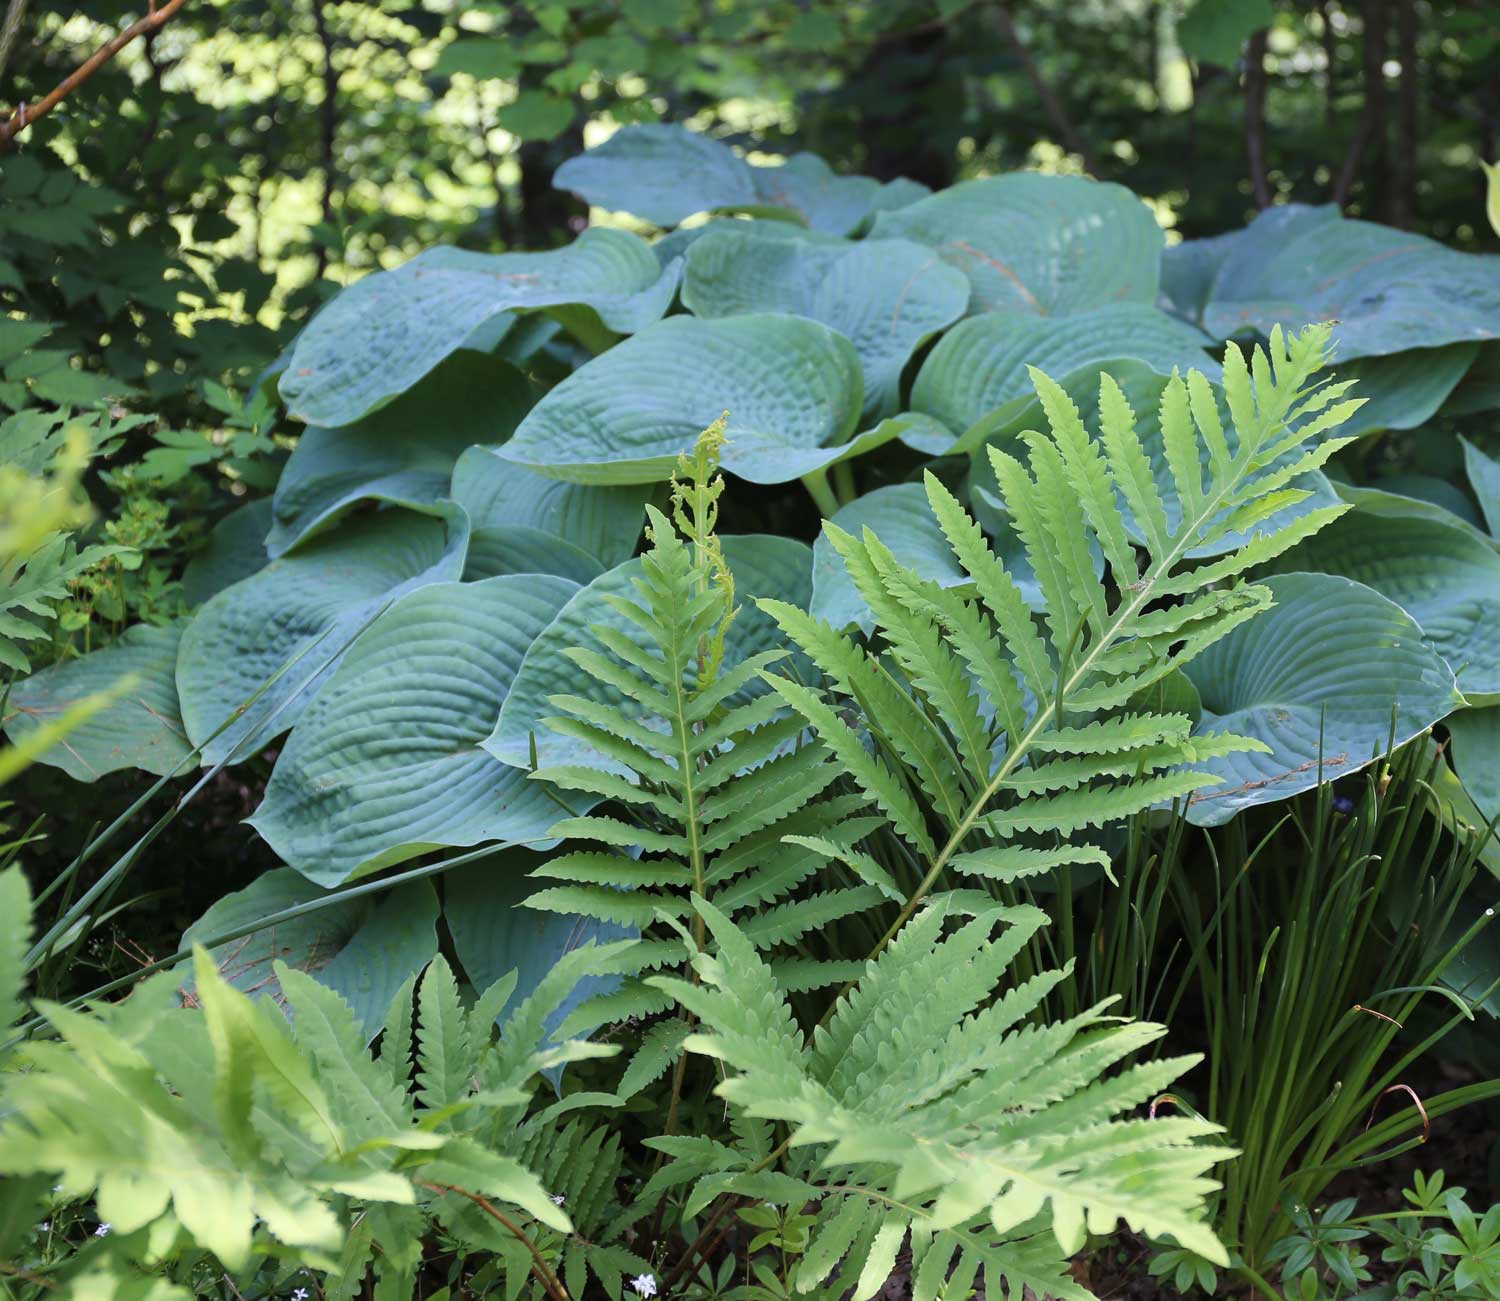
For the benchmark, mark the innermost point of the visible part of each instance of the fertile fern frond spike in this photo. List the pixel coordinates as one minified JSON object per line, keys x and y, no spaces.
{"x":934,"y":1107}
{"x":706,"y":769}
{"x":937,"y":761}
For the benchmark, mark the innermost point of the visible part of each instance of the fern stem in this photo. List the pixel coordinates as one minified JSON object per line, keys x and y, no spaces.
{"x":539,"y":1266}
{"x":1258,"y":1283}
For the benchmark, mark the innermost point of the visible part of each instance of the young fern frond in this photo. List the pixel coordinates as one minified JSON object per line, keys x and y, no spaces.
{"x":927,"y":1105}
{"x":992,"y":731}
{"x":710,"y":775}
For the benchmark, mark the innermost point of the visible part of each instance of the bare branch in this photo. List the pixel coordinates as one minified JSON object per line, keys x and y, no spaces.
{"x":1050,"y":101}
{"x":26,"y":114}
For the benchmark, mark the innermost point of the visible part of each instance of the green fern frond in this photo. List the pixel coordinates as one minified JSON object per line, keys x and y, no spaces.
{"x":958,"y":780}
{"x":926,"y":1107}
{"x":710,"y":772}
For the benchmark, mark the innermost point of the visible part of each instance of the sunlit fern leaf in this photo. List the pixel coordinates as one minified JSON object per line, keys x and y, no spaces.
{"x":929,"y":1106}
{"x":710,"y":773}
{"x":1053,"y":754}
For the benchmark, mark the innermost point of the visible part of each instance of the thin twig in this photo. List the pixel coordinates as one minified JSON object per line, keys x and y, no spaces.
{"x":539,"y":1266}
{"x":1051,"y":103}
{"x":26,"y":114}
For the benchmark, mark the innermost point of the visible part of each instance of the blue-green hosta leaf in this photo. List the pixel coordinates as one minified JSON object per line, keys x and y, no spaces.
{"x":495,"y":934}
{"x":1479,"y":390}
{"x":235,"y":549}
{"x":885,"y":296}
{"x":1049,"y":244}
{"x":665,"y":174}
{"x":403,"y":452}
{"x":792,"y":388}
{"x":1474,"y":735}
{"x":1196,"y":270}
{"x":1427,"y":489}
{"x":364,"y":949}
{"x":1388,"y":290}
{"x":662,"y":174}
{"x":901,"y":517}
{"x":763,"y":566}
{"x":1142,"y":386}
{"x":383,"y":333}
{"x":386,"y":763}
{"x":496,"y":552}
{"x":1398,"y":496}
{"x":504,"y":499}
{"x":678,"y":243}
{"x":141,"y":729}
{"x":1404,"y":390}
{"x":307,"y":607}
{"x":1441,"y":574}
{"x":975,"y":377}
{"x":1484,"y":479}
{"x":1332,"y":673}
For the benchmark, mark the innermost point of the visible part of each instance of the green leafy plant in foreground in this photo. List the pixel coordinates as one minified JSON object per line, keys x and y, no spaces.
{"x":219,"y":1128}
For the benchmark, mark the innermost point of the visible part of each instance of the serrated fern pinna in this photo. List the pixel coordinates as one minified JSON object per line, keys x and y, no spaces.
{"x":992,"y":739}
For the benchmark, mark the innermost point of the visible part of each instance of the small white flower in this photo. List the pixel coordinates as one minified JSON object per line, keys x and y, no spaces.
{"x":300,"y":1294}
{"x":558,"y":1199}
{"x":644,"y":1284}
{"x":45,"y":1226}
{"x":102,"y":1231}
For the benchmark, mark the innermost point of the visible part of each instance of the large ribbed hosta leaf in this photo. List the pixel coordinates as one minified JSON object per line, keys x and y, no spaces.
{"x":1474,"y":736}
{"x":235,"y":549}
{"x":1484,"y":479}
{"x":1050,"y":244}
{"x":975,"y":378}
{"x":885,"y":296}
{"x":386,"y":763}
{"x":304,"y":607}
{"x":1441,"y":574}
{"x":1404,"y":390}
{"x":404,"y":451}
{"x":792,"y":388}
{"x":763,"y":567}
{"x":1388,"y":290}
{"x":140,"y":728}
{"x":524,"y":522}
{"x":1194,"y":270}
{"x":666,"y":174}
{"x":1327,"y":677}
{"x":383,"y":333}
{"x":364,"y":949}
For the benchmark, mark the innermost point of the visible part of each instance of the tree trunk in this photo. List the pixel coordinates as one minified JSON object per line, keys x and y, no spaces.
{"x":1255,"y":117}
{"x":1401,"y":209}
{"x":1367,"y":151}
{"x":328,"y":126}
